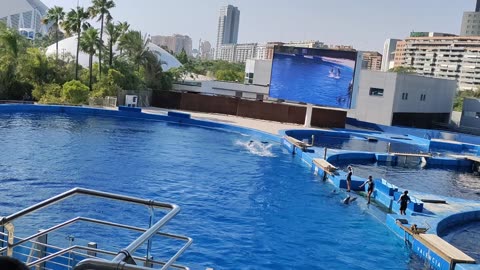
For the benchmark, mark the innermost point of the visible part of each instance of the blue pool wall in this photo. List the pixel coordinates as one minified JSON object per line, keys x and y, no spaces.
{"x":422,"y":133}
{"x":387,"y":195}
{"x":172,"y":117}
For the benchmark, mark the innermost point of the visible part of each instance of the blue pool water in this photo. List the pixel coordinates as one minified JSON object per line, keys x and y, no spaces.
{"x":363,"y":144}
{"x":297,"y":78}
{"x":445,"y":182}
{"x":246,"y":207}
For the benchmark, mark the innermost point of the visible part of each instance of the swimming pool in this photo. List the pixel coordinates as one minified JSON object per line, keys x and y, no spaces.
{"x":246,"y":207}
{"x":440,"y":181}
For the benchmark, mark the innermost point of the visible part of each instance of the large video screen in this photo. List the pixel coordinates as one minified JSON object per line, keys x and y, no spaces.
{"x":316,"y":76}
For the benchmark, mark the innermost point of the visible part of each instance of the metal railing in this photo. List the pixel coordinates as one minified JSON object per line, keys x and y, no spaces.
{"x":123,"y":258}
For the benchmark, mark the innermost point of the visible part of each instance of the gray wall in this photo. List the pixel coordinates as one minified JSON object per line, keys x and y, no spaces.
{"x":375,"y":109}
{"x":471,"y":107}
{"x":439,"y":94}
{"x":470,"y":24}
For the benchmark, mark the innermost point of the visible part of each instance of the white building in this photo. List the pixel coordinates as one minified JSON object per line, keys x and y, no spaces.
{"x":238,"y":53}
{"x":443,"y":57}
{"x":261,"y":51}
{"x":24,"y":15}
{"x":471,"y":114}
{"x":471,"y":22}
{"x":306,"y":44}
{"x":388,"y":55}
{"x":228,"y":23}
{"x":258,"y":72}
{"x":389,"y":98}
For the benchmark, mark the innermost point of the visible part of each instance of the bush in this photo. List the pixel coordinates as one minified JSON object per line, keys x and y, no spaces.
{"x":50,"y":89}
{"x":75,"y":92}
{"x":108,"y":85}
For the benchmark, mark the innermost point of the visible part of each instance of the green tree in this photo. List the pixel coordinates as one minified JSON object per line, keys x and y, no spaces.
{"x":229,"y":75}
{"x":75,"y":92}
{"x":75,"y":22}
{"x":55,"y":15}
{"x":90,"y":43}
{"x":123,"y":28}
{"x":108,"y":85}
{"x":101,"y":8}
{"x":12,"y":45}
{"x":135,"y":47}
{"x":114,"y":33}
{"x":461,"y":95}
{"x":402,"y":69}
{"x":182,"y":57}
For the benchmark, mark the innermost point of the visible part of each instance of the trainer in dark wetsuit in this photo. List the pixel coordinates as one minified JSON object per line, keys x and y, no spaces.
{"x":404,"y":200}
{"x":370,"y":188}
{"x":349,"y":178}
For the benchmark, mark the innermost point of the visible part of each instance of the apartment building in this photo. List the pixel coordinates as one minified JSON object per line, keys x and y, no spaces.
{"x":443,"y":57}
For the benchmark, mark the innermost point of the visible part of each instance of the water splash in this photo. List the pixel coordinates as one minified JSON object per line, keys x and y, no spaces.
{"x":257,"y":148}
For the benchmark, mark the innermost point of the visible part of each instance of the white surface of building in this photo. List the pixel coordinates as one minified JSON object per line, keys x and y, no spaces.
{"x":68,"y":47}
{"x":444,"y":57}
{"x":388,"y":55}
{"x":261,"y":51}
{"x":390,"y":98}
{"x":306,"y":44}
{"x":238,"y":53}
{"x":258,"y":72}
{"x":25,"y":15}
{"x":228,"y":23}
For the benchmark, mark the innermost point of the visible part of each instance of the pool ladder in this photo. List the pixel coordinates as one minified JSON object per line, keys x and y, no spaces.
{"x":122,"y":259}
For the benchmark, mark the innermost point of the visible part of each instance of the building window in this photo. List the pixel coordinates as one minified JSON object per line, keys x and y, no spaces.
{"x":376,"y":92}
{"x":422,"y":97}
{"x":404,"y":96}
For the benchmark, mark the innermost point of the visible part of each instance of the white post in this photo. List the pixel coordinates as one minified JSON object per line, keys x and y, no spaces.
{"x":308,"y":115}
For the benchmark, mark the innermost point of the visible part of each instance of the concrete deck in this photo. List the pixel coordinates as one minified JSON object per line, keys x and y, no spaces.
{"x":262,"y":125}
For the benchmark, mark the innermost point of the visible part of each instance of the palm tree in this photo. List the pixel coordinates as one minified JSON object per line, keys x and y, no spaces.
{"x":89,"y":43}
{"x":101,"y":8}
{"x":75,"y":23}
{"x":123,"y":28}
{"x":135,"y":47}
{"x":11,"y":43}
{"x":55,"y":15}
{"x":114,"y":32}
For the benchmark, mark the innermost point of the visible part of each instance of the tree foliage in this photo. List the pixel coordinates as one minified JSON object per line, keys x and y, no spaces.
{"x":75,"y":92}
{"x":458,"y":102}
{"x":402,"y":69}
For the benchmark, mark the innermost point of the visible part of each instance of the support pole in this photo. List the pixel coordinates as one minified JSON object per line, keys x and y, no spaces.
{"x":308,"y":116}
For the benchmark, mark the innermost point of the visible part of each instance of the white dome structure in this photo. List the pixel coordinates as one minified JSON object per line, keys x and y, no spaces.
{"x":69,"y":46}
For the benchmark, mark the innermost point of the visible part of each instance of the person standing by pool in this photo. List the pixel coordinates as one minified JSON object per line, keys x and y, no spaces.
{"x":370,"y":188}
{"x":404,"y":200}
{"x":349,"y":178}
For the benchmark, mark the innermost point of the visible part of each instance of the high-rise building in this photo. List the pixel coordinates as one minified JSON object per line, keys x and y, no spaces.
{"x":456,"y":58}
{"x":306,"y":44}
{"x":237,"y":52}
{"x":205,"y":49}
{"x":471,"y":22}
{"x":24,"y":15}
{"x":174,"y":43}
{"x":228,"y":23}
{"x":389,"y":53}
{"x":372,"y":61}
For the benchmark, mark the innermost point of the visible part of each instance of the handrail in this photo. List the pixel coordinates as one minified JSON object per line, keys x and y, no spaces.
{"x":97,"y":221}
{"x":123,"y":256}
{"x":83,"y":191}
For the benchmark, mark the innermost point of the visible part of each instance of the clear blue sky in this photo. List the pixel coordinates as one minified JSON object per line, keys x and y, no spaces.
{"x":365,"y":24}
